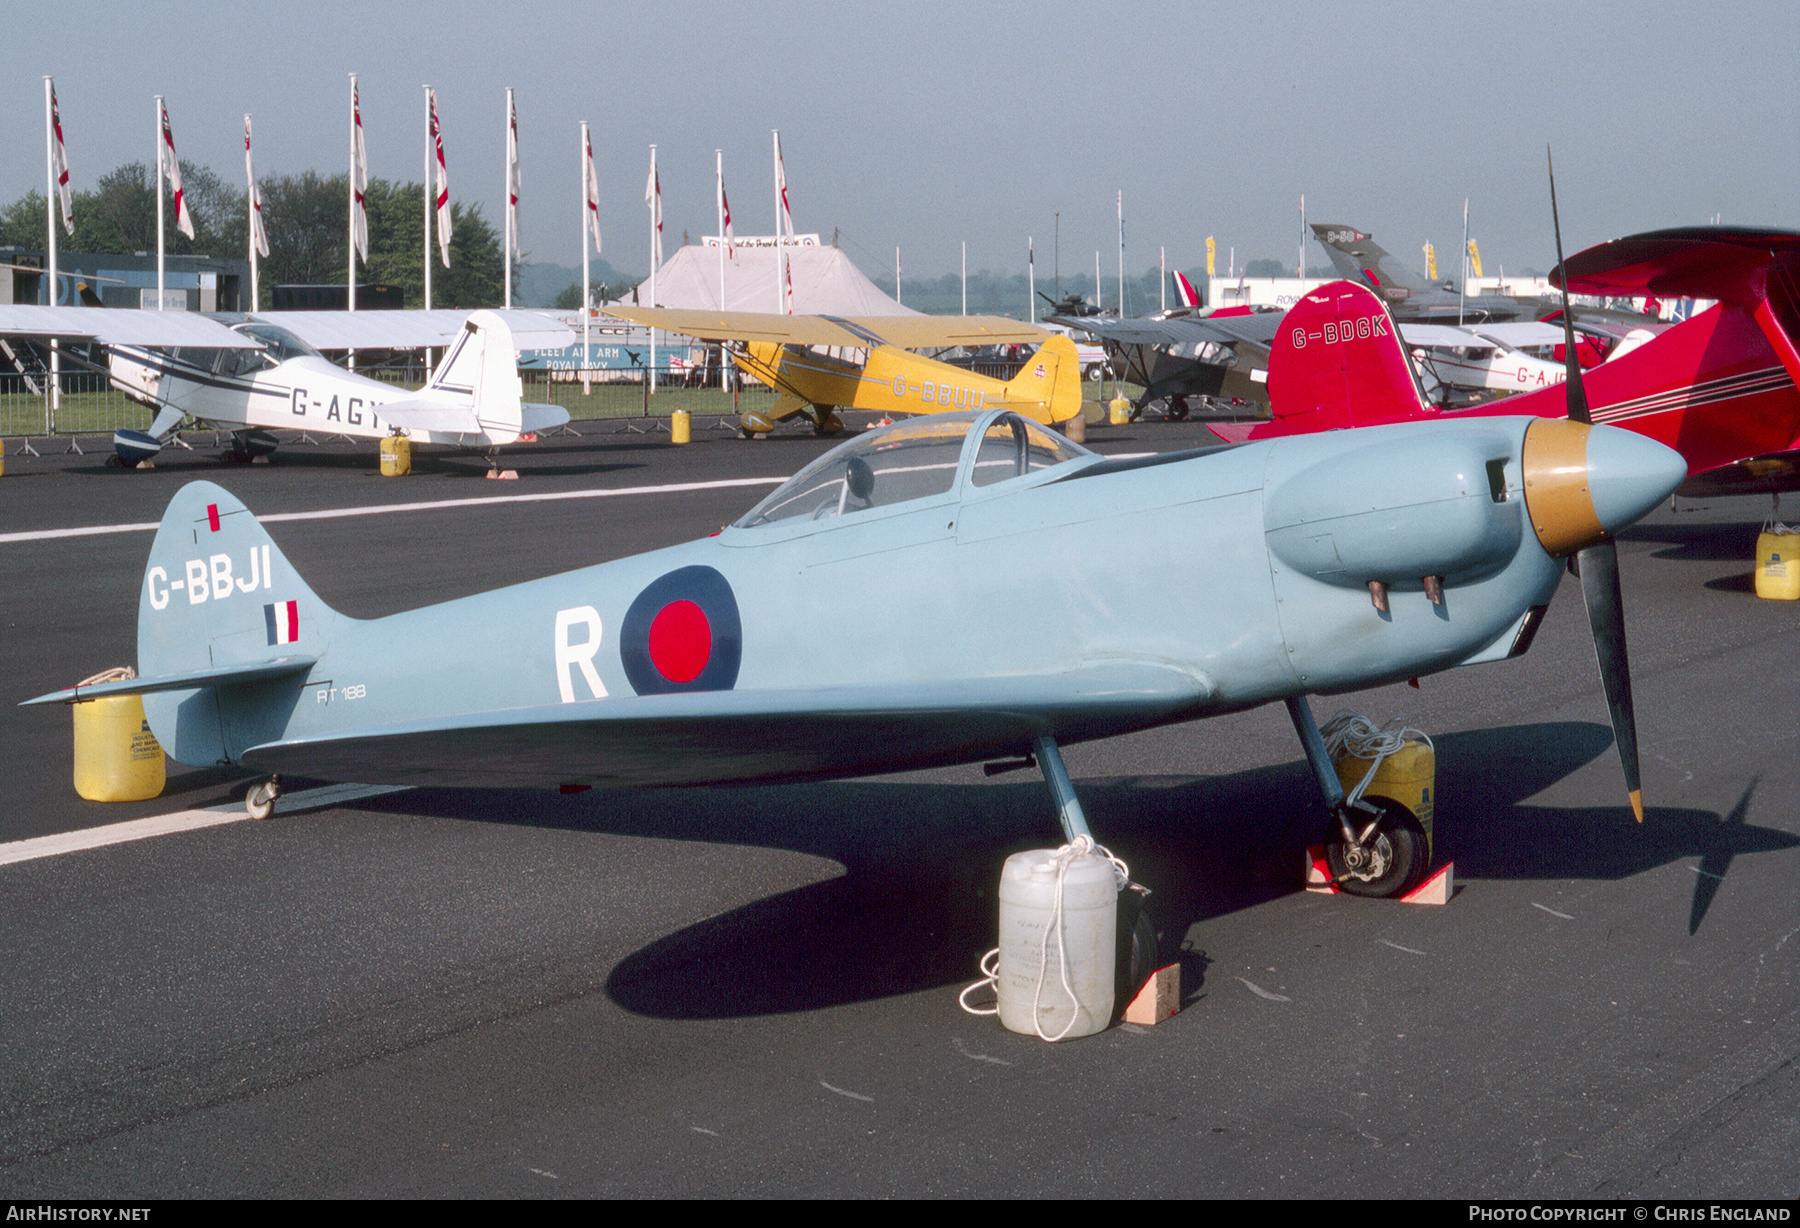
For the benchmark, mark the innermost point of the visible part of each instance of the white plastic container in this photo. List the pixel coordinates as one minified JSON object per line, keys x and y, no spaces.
{"x":1039,"y":992}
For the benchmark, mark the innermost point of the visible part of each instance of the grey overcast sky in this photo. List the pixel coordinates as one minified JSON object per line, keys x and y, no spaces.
{"x":921,"y":125}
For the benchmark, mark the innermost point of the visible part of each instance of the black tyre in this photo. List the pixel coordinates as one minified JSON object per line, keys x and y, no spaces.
{"x":1135,"y":959}
{"x":1393,"y":861}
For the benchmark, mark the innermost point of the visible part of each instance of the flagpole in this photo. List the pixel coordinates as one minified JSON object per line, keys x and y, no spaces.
{"x":965,"y":277}
{"x":1463,"y":281}
{"x":1162,"y":282}
{"x":586,"y":297}
{"x":1302,"y":272}
{"x":1121,"y":253}
{"x":425,"y":191}
{"x":719,"y":171}
{"x":159,"y":203}
{"x":897,"y":275}
{"x":250,"y":220}
{"x":1031,"y":278}
{"x":780,"y":245}
{"x":512,"y":196}
{"x":655,"y":219}
{"x":51,"y":202}
{"x":350,"y":247}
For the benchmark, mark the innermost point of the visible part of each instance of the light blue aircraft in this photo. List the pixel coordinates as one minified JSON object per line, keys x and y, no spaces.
{"x":1162,"y":589}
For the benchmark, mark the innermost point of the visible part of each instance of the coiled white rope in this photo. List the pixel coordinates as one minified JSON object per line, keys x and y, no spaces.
{"x":1064,"y":857}
{"x":1351,"y":733}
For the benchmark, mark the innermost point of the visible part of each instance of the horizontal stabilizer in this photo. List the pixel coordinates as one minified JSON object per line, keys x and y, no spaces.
{"x":224,"y":675}
{"x":535,"y":416}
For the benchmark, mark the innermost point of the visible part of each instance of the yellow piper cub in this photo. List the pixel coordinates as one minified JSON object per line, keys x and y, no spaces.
{"x":791,"y":355}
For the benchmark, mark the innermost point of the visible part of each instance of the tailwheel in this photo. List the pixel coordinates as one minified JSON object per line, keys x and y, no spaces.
{"x":259,"y":803}
{"x":1390,"y":857}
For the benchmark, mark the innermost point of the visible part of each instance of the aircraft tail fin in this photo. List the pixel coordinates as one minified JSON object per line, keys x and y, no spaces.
{"x":482,"y":366}
{"x":227,"y":632}
{"x":1184,"y":289}
{"x":219,"y":594}
{"x":1052,"y":378}
{"x":1358,"y":258}
{"x":1338,"y":361}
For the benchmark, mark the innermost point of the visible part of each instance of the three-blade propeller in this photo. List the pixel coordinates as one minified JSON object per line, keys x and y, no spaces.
{"x":1598,"y":565}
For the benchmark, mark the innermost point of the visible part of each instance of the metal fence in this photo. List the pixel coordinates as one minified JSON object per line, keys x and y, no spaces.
{"x":89,"y":404}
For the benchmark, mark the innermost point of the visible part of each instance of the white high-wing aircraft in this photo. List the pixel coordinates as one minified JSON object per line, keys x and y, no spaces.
{"x":256,"y":374}
{"x":1495,"y":357}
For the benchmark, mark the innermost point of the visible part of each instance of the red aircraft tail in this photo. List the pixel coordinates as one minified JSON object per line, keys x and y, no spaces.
{"x":1184,"y":289}
{"x":1338,"y":361}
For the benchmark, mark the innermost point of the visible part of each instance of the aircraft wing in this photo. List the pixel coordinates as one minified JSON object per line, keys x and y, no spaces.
{"x":1520,"y":334}
{"x":1259,"y":328}
{"x":850,"y":332}
{"x":411,"y":330}
{"x":723,"y":736}
{"x":120,"y":326}
{"x":1717,"y":262}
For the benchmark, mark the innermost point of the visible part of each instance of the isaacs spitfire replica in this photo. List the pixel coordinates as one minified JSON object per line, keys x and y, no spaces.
{"x":793,"y":355}
{"x":1173,"y":587}
{"x":251,"y":375}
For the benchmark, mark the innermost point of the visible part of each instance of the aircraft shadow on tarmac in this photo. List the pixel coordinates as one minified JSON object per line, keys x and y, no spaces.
{"x":915,"y":906}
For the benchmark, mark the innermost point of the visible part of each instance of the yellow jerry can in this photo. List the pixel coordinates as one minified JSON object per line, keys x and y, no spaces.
{"x":117,"y":758}
{"x":396,"y":456}
{"x":1778,"y":564}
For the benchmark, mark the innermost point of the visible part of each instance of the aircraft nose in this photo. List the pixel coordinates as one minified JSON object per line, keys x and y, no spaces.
{"x":1584,"y":483}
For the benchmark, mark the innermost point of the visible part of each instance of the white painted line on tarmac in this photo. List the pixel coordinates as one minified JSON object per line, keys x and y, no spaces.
{"x":383,"y":509}
{"x":182,"y":820}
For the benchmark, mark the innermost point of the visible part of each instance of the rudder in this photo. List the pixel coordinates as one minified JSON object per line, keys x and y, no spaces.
{"x":1338,"y":361}
{"x":1052,"y":378}
{"x":482,"y":364}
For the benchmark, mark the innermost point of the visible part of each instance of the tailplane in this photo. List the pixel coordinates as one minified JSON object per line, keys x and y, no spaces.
{"x":1051,"y":378}
{"x":1338,"y":361}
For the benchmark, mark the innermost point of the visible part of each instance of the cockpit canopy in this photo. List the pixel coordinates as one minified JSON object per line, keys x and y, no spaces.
{"x":279,"y":344}
{"x":916,"y":459}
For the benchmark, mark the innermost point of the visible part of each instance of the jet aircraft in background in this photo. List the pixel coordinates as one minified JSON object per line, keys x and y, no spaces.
{"x":1358,"y":258}
{"x":798,"y":356}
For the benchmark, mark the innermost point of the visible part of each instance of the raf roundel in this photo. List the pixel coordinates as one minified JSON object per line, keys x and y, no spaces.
{"x":682,"y":634}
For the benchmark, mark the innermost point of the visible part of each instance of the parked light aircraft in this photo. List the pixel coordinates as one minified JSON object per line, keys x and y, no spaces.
{"x":250,"y":375}
{"x":1720,"y":387}
{"x":1172,"y":587}
{"x":788,"y":354}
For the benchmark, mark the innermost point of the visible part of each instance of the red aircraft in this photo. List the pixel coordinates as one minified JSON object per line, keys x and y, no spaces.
{"x":1719,"y":388}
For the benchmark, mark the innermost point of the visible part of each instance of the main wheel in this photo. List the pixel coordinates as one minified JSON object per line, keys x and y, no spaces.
{"x":1135,"y":957}
{"x":1392,"y":862}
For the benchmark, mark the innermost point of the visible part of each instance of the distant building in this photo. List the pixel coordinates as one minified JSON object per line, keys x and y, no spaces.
{"x":190,"y":283}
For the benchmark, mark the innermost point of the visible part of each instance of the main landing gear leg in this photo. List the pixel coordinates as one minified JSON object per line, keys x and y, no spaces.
{"x":1062,"y":789}
{"x":1374,"y":846}
{"x":1135,"y":957}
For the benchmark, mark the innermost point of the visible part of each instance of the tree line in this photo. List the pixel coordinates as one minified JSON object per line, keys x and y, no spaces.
{"x":306,"y":217}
